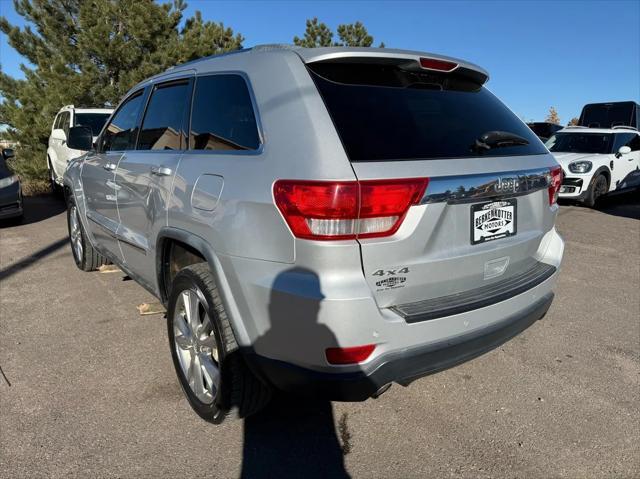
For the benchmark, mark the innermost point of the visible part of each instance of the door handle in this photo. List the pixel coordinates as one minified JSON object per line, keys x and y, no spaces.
{"x":109,"y":166}
{"x":160,"y":171}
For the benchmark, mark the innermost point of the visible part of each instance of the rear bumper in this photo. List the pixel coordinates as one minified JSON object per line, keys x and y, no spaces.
{"x":402,"y":366}
{"x":10,"y":201}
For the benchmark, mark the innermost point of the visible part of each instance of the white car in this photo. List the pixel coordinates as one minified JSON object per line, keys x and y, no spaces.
{"x":58,"y":153}
{"x":596,"y":161}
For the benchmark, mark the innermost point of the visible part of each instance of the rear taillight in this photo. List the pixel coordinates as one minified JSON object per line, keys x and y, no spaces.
{"x":352,"y":355}
{"x":439,"y":65}
{"x":555,"y":180}
{"x":335,"y":210}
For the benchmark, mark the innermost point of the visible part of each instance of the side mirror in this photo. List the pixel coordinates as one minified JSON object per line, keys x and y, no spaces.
{"x":8,"y":153}
{"x":80,"y":138}
{"x":623,"y":150}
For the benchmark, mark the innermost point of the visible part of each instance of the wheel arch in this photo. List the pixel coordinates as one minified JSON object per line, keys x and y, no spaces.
{"x":603,"y":170}
{"x":198,"y":246}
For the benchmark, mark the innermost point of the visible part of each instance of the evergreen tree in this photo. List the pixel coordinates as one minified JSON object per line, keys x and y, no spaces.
{"x":553,"y":116}
{"x":89,"y":53}
{"x":317,"y":34}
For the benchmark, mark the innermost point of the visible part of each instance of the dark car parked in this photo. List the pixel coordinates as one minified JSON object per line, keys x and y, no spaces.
{"x":544,"y":130}
{"x":10,"y":190}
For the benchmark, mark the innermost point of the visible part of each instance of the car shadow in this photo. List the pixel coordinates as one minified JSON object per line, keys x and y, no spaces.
{"x":37,"y":208}
{"x":626,"y":205}
{"x":294,"y":436}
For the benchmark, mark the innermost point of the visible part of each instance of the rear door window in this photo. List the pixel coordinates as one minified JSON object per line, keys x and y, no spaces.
{"x":121,"y":132}
{"x":162,"y":127}
{"x":384,"y":113}
{"x":223,"y":116}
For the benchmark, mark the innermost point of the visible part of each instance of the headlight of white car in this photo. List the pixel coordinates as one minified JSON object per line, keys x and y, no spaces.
{"x":580,"y":167}
{"x":4,"y":182}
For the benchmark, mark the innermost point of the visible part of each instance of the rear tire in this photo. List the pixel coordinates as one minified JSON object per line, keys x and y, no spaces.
{"x":206,"y":357}
{"x":84,"y":255}
{"x":598,"y":187}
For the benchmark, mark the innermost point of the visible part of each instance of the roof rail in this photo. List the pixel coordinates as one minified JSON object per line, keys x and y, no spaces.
{"x":575,"y":126}
{"x":623,"y":127}
{"x":70,"y":107}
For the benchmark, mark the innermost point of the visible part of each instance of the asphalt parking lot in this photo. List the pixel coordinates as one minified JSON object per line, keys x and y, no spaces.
{"x":89,"y":388}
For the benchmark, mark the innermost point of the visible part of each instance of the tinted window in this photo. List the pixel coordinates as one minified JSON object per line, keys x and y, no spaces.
{"x":622,"y":139}
{"x":634,"y":144}
{"x":606,"y":115}
{"x":222,"y":116}
{"x":120,"y":134}
{"x":95,"y":121}
{"x":56,"y":123}
{"x":383,"y":112}
{"x":65,"y":118}
{"x":162,"y":125}
{"x":581,"y":142}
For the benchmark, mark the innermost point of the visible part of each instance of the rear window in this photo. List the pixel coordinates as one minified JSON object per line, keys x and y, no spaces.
{"x":95,"y":121}
{"x":384,"y":113}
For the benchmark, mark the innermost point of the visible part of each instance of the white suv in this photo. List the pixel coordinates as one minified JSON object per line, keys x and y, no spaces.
{"x":596,"y":161}
{"x":58,"y":153}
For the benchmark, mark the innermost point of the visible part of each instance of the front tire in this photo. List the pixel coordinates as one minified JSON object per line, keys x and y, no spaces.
{"x":212,"y":374}
{"x":598,"y":187}
{"x":84,"y":255}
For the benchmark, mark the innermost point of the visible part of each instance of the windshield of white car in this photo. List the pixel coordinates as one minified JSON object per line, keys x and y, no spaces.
{"x":95,"y":121}
{"x":580,"y":143}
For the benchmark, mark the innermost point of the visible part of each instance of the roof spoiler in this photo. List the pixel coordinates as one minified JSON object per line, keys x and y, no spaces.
{"x":409,"y":61}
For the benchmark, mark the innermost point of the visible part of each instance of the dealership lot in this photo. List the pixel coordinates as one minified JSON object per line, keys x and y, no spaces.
{"x":93,"y":392}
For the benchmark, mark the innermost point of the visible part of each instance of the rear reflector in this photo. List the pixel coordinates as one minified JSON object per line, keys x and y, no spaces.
{"x":555,"y":181}
{"x":440,"y":65}
{"x":335,"y":210}
{"x":352,"y":355}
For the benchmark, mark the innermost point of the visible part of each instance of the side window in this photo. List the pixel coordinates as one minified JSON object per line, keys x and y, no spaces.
{"x":622,"y":139}
{"x":64,"y":123}
{"x":222,"y":117}
{"x":634,"y":144}
{"x":120,"y":134}
{"x":56,"y":122}
{"x":162,"y":125}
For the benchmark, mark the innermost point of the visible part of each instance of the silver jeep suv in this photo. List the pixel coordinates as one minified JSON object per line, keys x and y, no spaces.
{"x":323,"y":221}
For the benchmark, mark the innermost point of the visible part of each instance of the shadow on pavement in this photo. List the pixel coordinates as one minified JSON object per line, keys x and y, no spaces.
{"x":294,"y":436}
{"x":37,"y":208}
{"x":626,"y":205}
{"x":32,"y":258}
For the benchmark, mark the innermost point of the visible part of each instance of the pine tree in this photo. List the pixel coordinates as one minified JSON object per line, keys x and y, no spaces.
{"x":89,"y":54}
{"x":553,"y":116}
{"x":574,"y":121}
{"x":317,"y":34}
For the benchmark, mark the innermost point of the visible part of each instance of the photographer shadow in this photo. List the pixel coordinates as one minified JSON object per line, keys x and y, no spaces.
{"x":293,"y":436}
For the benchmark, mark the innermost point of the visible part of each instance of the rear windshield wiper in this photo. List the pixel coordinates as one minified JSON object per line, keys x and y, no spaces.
{"x":498,"y":139}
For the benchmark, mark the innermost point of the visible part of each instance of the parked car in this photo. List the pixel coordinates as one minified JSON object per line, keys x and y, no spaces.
{"x":10,"y":189}
{"x":544,"y":129}
{"x":609,"y":115}
{"x":323,"y":221}
{"x":596,"y":161}
{"x":58,"y":151}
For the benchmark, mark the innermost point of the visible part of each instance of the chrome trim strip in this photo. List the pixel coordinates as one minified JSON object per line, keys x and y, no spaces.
{"x":472,"y":188}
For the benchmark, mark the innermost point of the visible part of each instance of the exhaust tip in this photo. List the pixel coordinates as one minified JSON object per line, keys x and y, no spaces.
{"x":381,"y":391}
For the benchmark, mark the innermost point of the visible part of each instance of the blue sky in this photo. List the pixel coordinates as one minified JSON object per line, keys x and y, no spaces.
{"x":561,"y":53}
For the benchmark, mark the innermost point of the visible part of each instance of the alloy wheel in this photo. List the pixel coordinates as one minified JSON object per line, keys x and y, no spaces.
{"x":195,"y":345}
